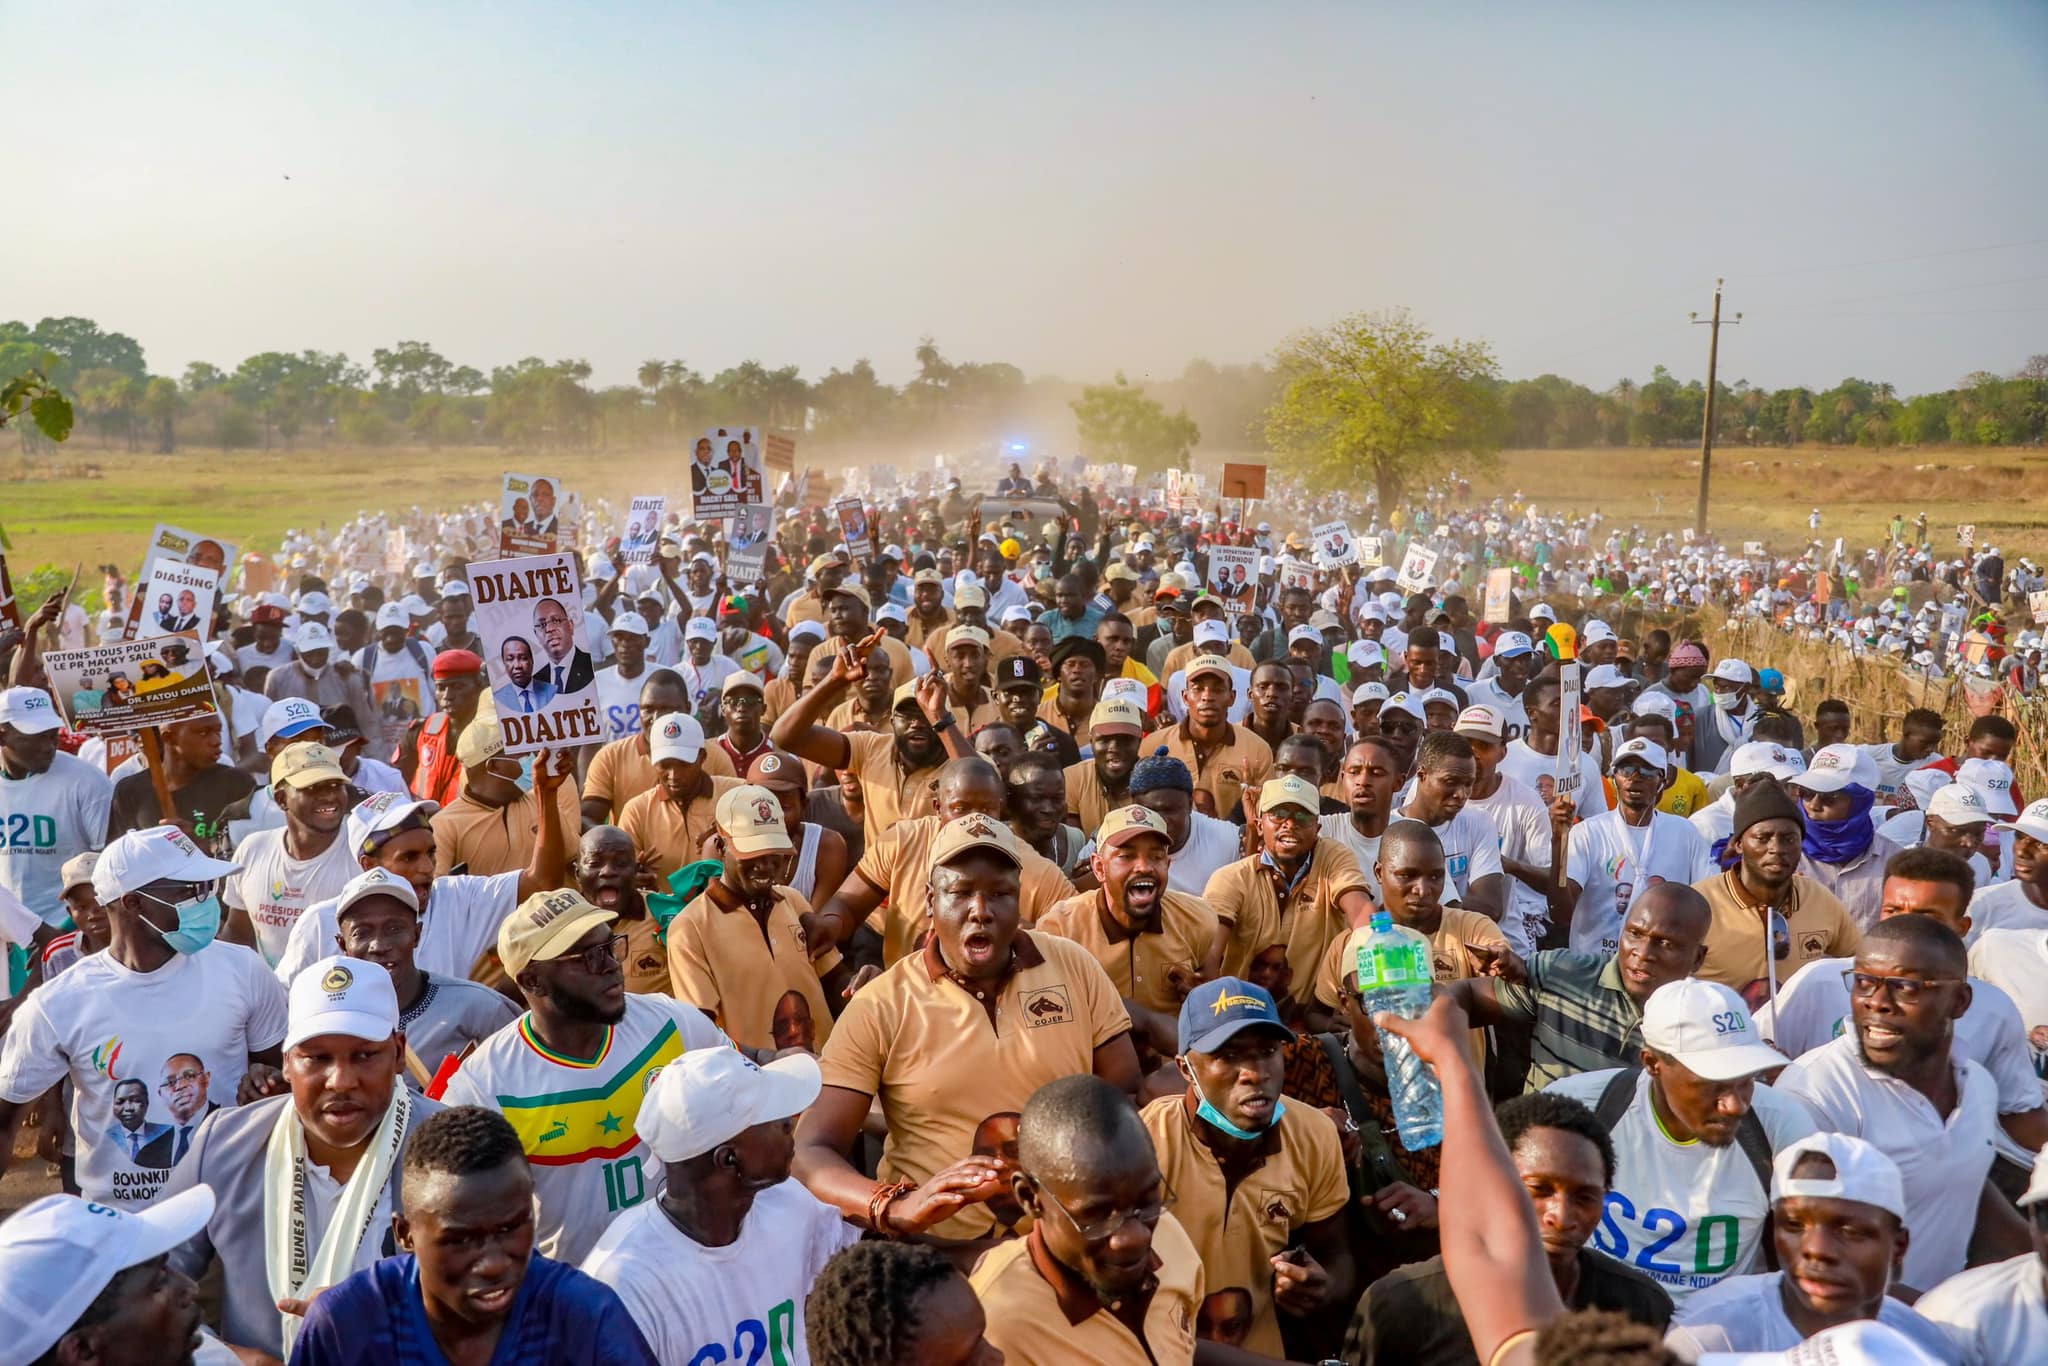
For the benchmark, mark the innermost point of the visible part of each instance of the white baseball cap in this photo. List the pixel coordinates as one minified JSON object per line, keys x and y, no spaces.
{"x":1542,"y":611}
{"x":1607,"y":676}
{"x":287,"y":717}
{"x":1370,"y":692}
{"x":415,"y":605}
{"x":1862,"y":1173}
{"x":2032,"y":822}
{"x":392,"y":614}
{"x":700,"y":628}
{"x":29,"y":710}
{"x":1366,"y":654}
{"x":1733,"y":671}
{"x":382,"y":811}
{"x":60,"y":1252}
{"x":1992,"y":780}
{"x":314,"y":604}
{"x":155,"y":853}
{"x":338,"y":995}
{"x":711,"y":1096}
{"x":1016,"y":611}
{"x":1595,"y":632}
{"x":375,"y":882}
{"x":628,"y":624}
{"x":1307,"y":633}
{"x":1512,"y":645}
{"x":1642,"y":749}
{"x":1405,"y":701}
{"x":1763,"y":756}
{"x":1210,"y":632}
{"x":676,"y":736}
{"x":1655,"y":704}
{"x":892,"y":611}
{"x":311,"y":636}
{"x":1835,"y":767}
{"x":1482,"y":720}
{"x":1960,"y":804}
{"x":1864,"y":1342}
{"x":1707,"y":1029}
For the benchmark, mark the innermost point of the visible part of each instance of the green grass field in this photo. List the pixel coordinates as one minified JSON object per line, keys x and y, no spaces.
{"x":92,"y":506}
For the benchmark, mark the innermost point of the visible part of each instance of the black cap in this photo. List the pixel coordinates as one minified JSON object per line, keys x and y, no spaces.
{"x":1019,"y":669}
{"x":1765,"y":802}
{"x":1079,"y":645}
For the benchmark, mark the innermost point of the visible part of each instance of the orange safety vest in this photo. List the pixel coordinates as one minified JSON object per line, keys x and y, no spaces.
{"x":439,"y":775}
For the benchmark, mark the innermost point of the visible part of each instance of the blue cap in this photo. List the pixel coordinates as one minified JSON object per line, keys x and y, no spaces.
{"x":1215,"y":1012}
{"x":1770,"y":680}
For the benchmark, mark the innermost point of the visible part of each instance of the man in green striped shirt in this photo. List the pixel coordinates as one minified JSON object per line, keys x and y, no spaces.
{"x":1584,"y":1011}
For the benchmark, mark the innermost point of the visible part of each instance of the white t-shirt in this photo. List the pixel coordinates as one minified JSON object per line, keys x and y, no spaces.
{"x":1747,"y":1314}
{"x":388,"y":669}
{"x":618,"y":702}
{"x":114,"y":1033}
{"x":693,"y":1302}
{"x":2015,"y":962}
{"x":1943,"y":1162}
{"x":275,"y":888}
{"x":1523,"y":824}
{"x":705,"y":683}
{"x":1337,"y":827}
{"x":1715,"y":820}
{"x":250,"y":657}
{"x":1212,"y":842}
{"x":460,"y":923}
{"x":1606,"y":857}
{"x":1471,"y":850}
{"x":2004,"y":906}
{"x":1996,"y":1313}
{"x":46,"y":819}
{"x":1909,"y":828}
{"x":1892,"y":771}
{"x":1486,"y":691}
{"x":1687,"y":1214}
{"x":1538,"y":772}
{"x":71,"y":627}
{"x":373,"y":775}
{"x":576,"y":1118}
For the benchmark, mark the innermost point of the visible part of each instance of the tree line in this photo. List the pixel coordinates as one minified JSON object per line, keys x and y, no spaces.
{"x":411,"y":395}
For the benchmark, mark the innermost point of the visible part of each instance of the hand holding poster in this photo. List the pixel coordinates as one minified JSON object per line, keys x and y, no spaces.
{"x":1371,"y":550}
{"x":1334,"y":546}
{"x":174,"y":545}
{"x":1570,"y":740}
{"x":642,"y":531}
{"x":177,"y":598}
{"x":1417,"y":568}
{"x":726,"y":472}
{"x":544,"y":685}
{"x":528,"y":521}
{"x":1234,"y":576}
{"x":132,"y":684}
{"x":853,"y":528}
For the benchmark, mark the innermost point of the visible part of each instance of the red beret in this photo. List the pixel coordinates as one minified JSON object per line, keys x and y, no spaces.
{"x":449,"y":663}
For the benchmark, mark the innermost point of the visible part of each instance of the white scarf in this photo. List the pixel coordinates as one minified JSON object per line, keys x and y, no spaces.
{"x":285,"y":1259}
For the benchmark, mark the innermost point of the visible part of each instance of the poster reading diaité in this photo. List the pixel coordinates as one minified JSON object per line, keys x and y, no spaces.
{"x":543,"y":680}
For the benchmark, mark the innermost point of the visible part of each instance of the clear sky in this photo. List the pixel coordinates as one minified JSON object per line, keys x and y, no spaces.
{"x":1070,"y":187}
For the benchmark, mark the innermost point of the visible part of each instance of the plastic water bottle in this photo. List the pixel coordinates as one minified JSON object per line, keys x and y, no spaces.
{"x":1394,"y":975}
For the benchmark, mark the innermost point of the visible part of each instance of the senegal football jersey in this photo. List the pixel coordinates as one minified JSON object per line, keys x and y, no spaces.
{"x":575,"y":1116}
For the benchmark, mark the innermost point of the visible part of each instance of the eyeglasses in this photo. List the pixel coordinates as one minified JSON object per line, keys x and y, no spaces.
{"x":1291,"y":815}
{"x":601,"y":955}
{"x":177,"y":1079}
{"x":1905,"y":991}
{"x":1095,"y":1230}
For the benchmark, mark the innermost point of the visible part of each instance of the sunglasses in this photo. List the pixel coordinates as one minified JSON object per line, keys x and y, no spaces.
{"x":1904,"y":991}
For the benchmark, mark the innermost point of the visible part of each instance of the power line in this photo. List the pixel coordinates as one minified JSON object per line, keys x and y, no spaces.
{"x":1916,"y":293}
{"x":1897,"y":260}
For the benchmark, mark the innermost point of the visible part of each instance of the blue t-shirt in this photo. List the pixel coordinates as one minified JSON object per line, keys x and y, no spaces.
{"x":560,"y":1317}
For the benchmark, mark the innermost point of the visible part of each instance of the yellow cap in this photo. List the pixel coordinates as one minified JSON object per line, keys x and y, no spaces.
{"x":546,"y":926}
{"x":480,"y":742}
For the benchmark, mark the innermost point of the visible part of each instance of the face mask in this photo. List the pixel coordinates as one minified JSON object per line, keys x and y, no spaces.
{"x":198,"y":922}
{"x":525,"y":779}
{"x":1728,"y":701}
{"x":311,"y":671}
{"x":1215,"y":1118}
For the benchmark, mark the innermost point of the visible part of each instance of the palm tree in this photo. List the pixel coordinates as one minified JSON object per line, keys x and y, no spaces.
{"x":651,"y":374}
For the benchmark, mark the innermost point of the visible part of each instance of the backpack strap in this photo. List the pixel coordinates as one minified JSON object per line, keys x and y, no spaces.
{"x":366,"y":659}
{"x":1756,"y":1146}
{"x":1620,"y":1093}
{"x":419,"y":656}
{"x":1376,"y":1155}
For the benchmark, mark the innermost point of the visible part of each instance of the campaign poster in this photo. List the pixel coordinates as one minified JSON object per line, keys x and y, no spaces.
{"x":749,"y":527}
{"x":779,"y":453}
{"x":642,"y":532}
{"x":1966,"y":534}
{"x":1371,"y":550}
{"x":1173,"y":490}
{"x":726,"y":472}
{"x":10,"y":610}
{"x":2037,"y":603}
{"x":529,"y":515}
{"x":1570,"y":740}
{"x":1418,"y":568}
{"x":1296,"y":574}
{"x":1500,"y":595}
{"x":854,"y":528}
{"x":543,"y":680}
{"x":1753,"y":549}
{"x":175,"y":545}
{"x":176,"y":599}
{"x":749,"y":566}
{"x":128,"y":685}
{"x":1234,"y":576}
{"x":1334,"y":546}
{"x":395,"y":556}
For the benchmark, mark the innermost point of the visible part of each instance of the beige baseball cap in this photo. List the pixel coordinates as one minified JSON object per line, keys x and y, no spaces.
{"x":305,"y":764}
{"x":546,"y":926}
{"x":974,"y":831}
{"x":970,"y":595}
{"x":77,"y":871}
{"x":750,"y":818}
{"x":480,"y":742}
{"x":961,"y":634}
{"x":1116,"y":716}
{"x":1126,"y":823}
{"x":1210,"y":664}
{"x":1290,"y":791}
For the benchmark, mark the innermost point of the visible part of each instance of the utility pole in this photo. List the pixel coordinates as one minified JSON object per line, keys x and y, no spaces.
{"x":1699,"y":516}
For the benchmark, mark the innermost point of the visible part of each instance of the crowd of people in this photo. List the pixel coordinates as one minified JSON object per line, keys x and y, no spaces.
{"x":952,"y":954}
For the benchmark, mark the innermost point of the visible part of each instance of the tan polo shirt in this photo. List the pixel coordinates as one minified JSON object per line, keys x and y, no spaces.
{"x":1049,"y":712}
{"x":1001,"y":645}
{"x":778,"y":695}
{"x":898,"y":864}
{"x":806,"y":606}
{"x":722,"y":960}
{"x":1137,"y":965}
{"x":1177,"y":658}
{"x":622,"y":771}
{"x":890,"y":791}
{"x":1087,"y":800}
{"x":497,"y":839}
{"x":921,"y":1042}
{"x":675,"y":834}
{"x":1299,"y":1180}
{"x":902,"y":668}
{"x":1738,"y":938}
{"x":1242,"y":760}
{"x":847,"y":718}
{"x":919,"y":631}
{"x":1041,"y":1314}
{"x":1447,"y":959}
{"x":646,"y":961}
{"x":1243,"y":895}
{"x":972,"y":718}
